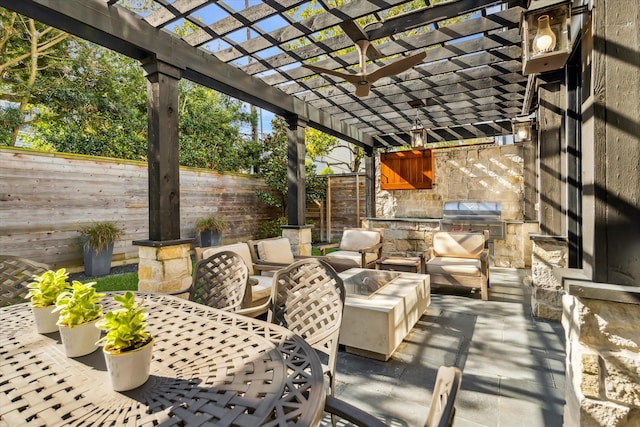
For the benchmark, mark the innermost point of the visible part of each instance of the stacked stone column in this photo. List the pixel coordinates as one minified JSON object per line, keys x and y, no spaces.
{"x":165,"y":268}
{"x":300,"y":239}
{"x":548,"y":253}
{"x":603,"y":362}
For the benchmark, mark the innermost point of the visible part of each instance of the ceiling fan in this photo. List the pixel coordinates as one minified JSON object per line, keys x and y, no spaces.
{"x":363,"y":80}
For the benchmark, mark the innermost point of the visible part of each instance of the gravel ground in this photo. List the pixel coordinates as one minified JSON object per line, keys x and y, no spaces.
{"x":121,"y":269}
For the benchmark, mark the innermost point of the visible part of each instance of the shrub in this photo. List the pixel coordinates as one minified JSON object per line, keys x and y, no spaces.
{"x":79,"y":305}
{"x":45,"y":289}
{"x":126,"y":326}
{"x":271,"y":228}
{"x":98,"y":235}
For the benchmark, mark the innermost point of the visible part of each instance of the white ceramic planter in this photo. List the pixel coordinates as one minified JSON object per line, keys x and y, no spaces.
{"x":80,"y":340}
{"x":130,"y":369}
{"x":46,"y":319}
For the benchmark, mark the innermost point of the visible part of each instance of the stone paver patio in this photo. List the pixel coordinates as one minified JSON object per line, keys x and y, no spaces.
{"x":513,"y":364}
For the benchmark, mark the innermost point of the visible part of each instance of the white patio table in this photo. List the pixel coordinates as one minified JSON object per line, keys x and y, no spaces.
{"x":209,"y":367}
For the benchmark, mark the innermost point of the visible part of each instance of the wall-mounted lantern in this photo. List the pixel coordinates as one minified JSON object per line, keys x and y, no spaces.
{"x":546,"y":43}
{"x":522,"y":128}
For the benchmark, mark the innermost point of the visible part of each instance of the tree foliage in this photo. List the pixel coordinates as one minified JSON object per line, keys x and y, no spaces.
{"x":209,"y":130}
{"x":98,"y":108}
{"x":274,"y":170}
{"x":31,"y":57}
{"x":78,"y":97}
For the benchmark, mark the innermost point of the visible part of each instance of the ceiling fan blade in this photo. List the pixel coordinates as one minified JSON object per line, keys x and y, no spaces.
{"x":355,"y":33}
{"x":396,"y":67}
{"x":352,"y":78}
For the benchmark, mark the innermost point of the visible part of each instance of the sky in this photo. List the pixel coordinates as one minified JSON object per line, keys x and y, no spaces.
{"x":213,"y":13}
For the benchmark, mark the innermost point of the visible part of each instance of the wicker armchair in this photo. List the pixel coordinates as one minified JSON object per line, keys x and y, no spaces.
{"x":308,"y":299}
{"x":15,"y":274}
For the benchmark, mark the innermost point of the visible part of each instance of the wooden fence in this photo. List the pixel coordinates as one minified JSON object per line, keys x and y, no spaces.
{"x":343,"y":207}
{"x":45,"y":198}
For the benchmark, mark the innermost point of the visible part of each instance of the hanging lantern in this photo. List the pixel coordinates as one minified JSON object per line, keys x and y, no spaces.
{"x":418,"y":137}
{"x":418,"y":134}
{"x":546,"y":43}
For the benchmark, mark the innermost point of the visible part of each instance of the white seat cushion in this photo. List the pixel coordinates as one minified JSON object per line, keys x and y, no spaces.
{"x":262,"y":289}
{"x":354,"y":240}
{"x":275,"y":250}
{"x":454,"y":266}
{"x":354,"y":256}
{"x":458,"y":244}
{"x":240,"y":248}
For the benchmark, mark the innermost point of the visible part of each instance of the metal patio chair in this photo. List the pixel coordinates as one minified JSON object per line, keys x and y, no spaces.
{"x":308,"y":299}
{"x":15,"y":274}
{"x":220,"y":281}
{"x":441,"y":411}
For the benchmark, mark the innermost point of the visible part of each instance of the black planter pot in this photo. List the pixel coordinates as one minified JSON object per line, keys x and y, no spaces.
{"x":97,"y":264}
{"x":210,"y":238}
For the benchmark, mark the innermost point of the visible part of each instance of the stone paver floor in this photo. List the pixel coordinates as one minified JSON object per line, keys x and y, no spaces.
{"x":513,"y":364}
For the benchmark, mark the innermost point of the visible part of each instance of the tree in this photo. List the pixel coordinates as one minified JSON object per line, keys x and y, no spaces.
{"x":31,"y":57}
{"x":82,"y":98}
{"x":98,"y":107}
{"x":274,"y":170}
{"x":209,"y":130}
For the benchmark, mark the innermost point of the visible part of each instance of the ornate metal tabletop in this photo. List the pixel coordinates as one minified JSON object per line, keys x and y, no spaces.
{"x":209,"y":367}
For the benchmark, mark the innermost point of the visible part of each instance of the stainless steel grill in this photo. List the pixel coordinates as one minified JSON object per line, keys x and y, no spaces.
{"x":473,"y":216}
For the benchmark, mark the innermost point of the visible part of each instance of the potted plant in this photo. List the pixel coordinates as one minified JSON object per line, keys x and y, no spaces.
{"x":79,"y":310}
{"x":43,"y":293}
{"x":210,"y":229}
{"x":97,"y":247}
{"x":127,"y":344}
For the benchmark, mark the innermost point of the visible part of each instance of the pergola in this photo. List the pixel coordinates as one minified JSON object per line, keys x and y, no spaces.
{"x":586,"y":200}
{"x":470,"y":85}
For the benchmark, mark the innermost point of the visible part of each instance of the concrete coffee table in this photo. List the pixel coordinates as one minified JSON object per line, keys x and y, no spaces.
{"x":380,"y":309}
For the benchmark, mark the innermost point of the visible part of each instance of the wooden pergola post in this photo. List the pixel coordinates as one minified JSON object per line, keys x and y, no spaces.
{"x":165,"y":259}
{"x":370,"y":181}
{"x":297,"y":231}
{"x":162,"y":151}
{"x":296,"y":195}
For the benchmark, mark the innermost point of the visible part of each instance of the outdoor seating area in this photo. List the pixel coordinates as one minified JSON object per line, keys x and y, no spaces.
{"x":443,"y":369}
{"x":436,"y":227}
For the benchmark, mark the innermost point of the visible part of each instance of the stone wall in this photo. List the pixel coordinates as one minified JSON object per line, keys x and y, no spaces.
{"x":478,"y":173}
{"x":603,"y":362}
{"x":404,"y":237}
{"x":546,"y":294}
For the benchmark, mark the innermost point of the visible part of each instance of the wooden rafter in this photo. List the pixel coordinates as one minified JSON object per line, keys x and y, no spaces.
{"x":472,"y":73}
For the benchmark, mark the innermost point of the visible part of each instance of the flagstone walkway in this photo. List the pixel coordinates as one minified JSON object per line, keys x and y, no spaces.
{"x":513,"y":364}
